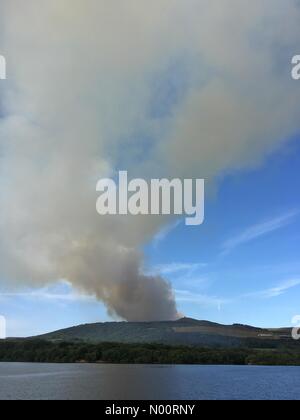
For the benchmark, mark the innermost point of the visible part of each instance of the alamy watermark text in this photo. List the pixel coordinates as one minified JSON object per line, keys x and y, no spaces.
{"x":296,"y":67}
{"x":157,"y":197}
{"x":2,"y":328}
{"x":2,"y":68}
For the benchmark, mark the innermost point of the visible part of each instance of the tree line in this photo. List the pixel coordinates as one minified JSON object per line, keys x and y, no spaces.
{"x":40,"y":351}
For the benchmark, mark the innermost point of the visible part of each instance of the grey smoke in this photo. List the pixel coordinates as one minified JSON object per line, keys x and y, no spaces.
{"x":82,"y":99}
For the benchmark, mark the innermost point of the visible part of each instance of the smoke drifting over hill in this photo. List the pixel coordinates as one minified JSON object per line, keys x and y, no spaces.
{"x":175,"y":88}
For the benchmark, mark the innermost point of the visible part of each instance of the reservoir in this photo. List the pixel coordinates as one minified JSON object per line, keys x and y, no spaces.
{"x":24,"y":381}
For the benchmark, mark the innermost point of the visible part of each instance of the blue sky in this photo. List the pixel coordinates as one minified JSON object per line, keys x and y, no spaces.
{"x":241,"y":266}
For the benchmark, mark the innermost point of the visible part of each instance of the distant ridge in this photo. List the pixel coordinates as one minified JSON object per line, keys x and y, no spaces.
{"x":185,"y":331}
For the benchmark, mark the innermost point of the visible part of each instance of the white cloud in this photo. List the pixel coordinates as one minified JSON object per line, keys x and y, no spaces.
{"x":48,"y":293}
{"x":259,"y":230}
{"x":175,"y":268}
{"x":165,"y":232}
{"x":277,"y":290}
{"x":200,"y":299}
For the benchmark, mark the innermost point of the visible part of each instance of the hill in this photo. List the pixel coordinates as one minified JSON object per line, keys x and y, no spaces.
{"x":186,"y":341}
{"x":186,"y":331}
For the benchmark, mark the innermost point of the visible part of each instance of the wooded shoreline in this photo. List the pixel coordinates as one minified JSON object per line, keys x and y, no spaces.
{"x":41,"y":351}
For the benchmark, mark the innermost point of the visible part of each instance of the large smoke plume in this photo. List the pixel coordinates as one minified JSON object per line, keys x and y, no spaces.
{"x":168,"y":87}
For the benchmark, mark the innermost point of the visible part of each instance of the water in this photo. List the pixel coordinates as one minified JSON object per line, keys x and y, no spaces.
{"x":125,"y":382}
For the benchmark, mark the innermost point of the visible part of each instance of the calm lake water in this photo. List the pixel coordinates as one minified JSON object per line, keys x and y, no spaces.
{"x":115,"y":382}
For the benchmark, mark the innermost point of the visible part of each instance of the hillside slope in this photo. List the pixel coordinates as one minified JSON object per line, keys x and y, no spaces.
{"x":182,"y":332}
